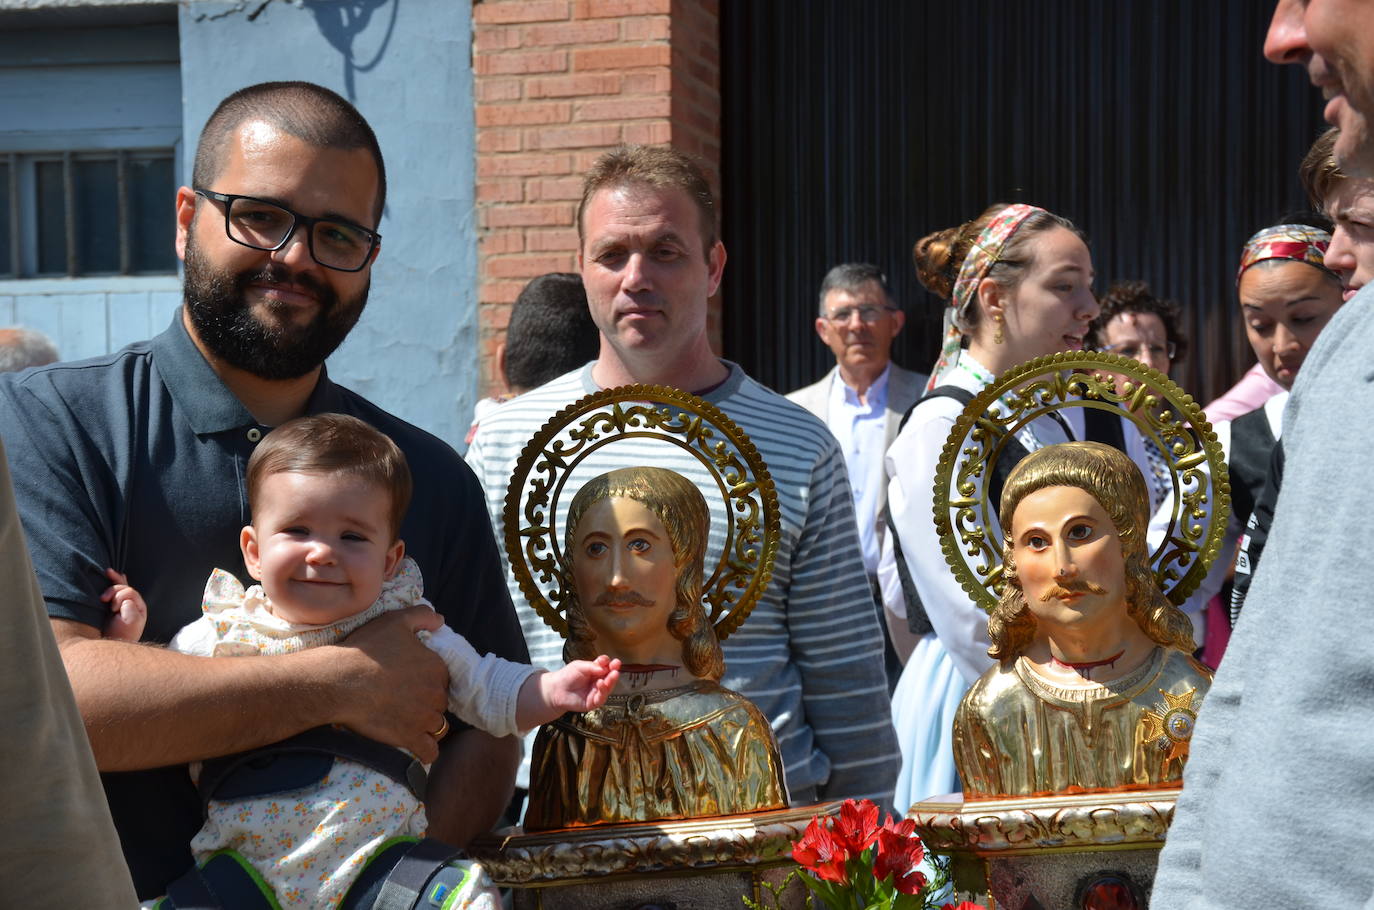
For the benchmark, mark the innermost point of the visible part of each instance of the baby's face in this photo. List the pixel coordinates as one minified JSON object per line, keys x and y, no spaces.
{"x":320,"y":544}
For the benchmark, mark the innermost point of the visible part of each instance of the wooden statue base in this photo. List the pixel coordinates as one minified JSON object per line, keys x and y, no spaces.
{"x":1087,"y":851}
{"x":697,"y":864}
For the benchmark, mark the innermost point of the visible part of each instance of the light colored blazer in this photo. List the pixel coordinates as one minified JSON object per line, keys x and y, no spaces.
{"x":904,"y":388}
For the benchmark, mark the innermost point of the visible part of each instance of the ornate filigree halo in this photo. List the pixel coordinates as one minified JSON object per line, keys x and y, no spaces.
{"x":747,"y":498}
{"x":1165,"y":415}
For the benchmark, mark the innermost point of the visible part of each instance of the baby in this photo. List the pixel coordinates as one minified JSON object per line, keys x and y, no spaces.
{"x":327,"y":495}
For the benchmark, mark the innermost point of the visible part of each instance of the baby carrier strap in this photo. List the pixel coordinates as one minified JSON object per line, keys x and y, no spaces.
{"x":225,"y":880}
{"x":406,"y":874}
{"x":421,"y":877}
{"x":300,"y":761}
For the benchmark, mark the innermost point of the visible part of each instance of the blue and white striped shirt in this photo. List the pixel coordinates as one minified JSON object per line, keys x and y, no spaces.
{"x":810,"y":654}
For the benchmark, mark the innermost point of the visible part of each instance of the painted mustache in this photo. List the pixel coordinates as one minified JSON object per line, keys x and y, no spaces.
{"x":622,"y":598}
{"x":1077,"y":587}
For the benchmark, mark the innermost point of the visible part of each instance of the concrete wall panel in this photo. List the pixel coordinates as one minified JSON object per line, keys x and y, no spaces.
{"x":406,"y":64}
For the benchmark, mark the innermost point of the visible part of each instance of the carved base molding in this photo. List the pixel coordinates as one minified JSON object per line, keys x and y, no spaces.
{"x":1085,"y":850}
{"x":700,"y":863}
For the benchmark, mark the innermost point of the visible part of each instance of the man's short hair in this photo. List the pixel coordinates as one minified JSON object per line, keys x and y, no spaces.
{"x":851,"y":277}
{"x":1319,"y":172}
{"x":1136,"y":297}
{"x":22,"y":348}
{"x":659,"y":166}
{"x":333,"y":444}
{"x":311,"y":113}
{"x":551,"y":331}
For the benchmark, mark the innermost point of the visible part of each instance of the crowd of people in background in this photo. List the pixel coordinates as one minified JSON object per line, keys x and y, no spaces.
{"x":131,"y":468}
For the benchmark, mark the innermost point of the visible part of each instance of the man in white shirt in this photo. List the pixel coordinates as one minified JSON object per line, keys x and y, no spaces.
{"x":862,"y":401}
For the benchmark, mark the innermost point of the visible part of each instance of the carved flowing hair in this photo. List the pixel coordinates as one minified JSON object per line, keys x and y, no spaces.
{"x":1111,"y":478}
{"x":679,"y":505}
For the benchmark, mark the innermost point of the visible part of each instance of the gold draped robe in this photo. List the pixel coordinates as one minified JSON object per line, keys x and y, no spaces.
{"x":688,"y":752}
{"x":1017,"y":734}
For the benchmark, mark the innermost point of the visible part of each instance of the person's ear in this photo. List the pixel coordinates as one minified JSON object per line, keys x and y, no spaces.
{"x":186,"y":213}
{"x":501,"y":366}
{"x":824,"y":329}
{"x":394,"y":554}
{"x":715,"y":263}
{"x":992,"y":299}
{"x":898,"y":321}
{"x":248,"y":543}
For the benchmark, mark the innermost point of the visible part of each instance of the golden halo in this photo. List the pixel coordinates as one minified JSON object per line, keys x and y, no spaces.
{"x":678,"y":418}
{"x":1165,"y":414}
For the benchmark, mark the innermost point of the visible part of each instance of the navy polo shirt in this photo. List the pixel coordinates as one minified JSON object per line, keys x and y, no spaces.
{"x":137,"y":460}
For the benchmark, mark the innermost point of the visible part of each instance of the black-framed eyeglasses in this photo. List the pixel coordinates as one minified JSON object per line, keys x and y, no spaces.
{"x":262,"y":225}
{"x":1136,"y":351}
{"x":868,"y":313}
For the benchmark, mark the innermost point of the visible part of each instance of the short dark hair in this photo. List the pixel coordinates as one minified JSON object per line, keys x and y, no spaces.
{"x":1135,"y":297}
{"x":851,"y":276}
{"x":658,"y":166}
{"x":310,"y":112}
{"x":333,"y":444}
{"x":551,"y":331}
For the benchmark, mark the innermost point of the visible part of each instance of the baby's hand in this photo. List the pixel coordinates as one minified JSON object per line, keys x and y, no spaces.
{"x":129,"y":612}
{"x":580,"y":686}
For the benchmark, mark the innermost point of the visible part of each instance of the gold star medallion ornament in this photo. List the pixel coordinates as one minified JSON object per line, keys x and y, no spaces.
{"x":1170,"y":725}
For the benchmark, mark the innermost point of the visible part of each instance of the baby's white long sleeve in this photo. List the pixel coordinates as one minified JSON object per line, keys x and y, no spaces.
{"x":482,"y":689}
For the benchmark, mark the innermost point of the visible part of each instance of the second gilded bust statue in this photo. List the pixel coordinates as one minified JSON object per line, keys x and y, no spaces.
{"x":670,"y":742}
{"x":1096,"y":687}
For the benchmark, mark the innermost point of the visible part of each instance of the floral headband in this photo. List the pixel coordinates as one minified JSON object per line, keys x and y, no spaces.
{"x":1298,"y":242}
{"x":984,"y":254}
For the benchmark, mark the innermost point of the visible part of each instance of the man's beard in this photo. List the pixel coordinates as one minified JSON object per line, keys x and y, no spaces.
{"x":225,"y":323}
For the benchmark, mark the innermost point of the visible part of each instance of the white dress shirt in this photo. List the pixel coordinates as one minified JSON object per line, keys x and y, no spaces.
{"x":861,"y":429}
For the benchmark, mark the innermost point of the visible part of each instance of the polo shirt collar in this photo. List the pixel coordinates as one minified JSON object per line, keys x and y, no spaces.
{"x":203,"y":397}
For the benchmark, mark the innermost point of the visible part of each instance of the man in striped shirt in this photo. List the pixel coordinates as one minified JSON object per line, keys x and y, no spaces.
{"x":811,"y":653}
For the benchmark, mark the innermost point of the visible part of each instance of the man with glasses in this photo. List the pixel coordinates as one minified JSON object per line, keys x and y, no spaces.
{"x":862,"y":401}
{"x":134,"y":463}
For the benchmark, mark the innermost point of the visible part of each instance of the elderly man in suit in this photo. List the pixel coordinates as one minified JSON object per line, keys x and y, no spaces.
{"x":862,"y":401}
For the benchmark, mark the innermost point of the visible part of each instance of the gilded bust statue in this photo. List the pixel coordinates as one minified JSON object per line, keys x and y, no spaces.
{"x":670,"y":742}
{"x":1096,"y":688}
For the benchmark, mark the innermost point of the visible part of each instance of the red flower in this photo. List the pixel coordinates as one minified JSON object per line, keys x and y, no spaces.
{"x":899,"y":853}
{"x":820,"y":851}
{"x":906,"y":827}
{"x":857,"y":826}
{"x":964,"y":905}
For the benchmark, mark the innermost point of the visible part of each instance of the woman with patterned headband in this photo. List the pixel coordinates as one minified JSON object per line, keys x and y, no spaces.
{"x":1018,"y":281}
{"x":1287,"y":294}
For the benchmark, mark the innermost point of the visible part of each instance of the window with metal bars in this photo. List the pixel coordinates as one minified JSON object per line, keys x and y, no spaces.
{"x":77,"y":213}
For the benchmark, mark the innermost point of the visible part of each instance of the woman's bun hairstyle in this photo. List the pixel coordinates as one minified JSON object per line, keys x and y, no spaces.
{"x":939,"y":256}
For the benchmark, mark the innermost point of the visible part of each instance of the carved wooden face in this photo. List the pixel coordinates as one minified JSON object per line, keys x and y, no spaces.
{"x":626,"y":579}
{"x":1068,"y":559}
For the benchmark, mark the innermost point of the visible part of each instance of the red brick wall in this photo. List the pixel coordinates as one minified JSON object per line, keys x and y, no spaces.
{"x":557,"y":83}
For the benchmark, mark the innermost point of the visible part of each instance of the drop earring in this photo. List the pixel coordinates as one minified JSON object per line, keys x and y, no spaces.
{"x":997,"y":335}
